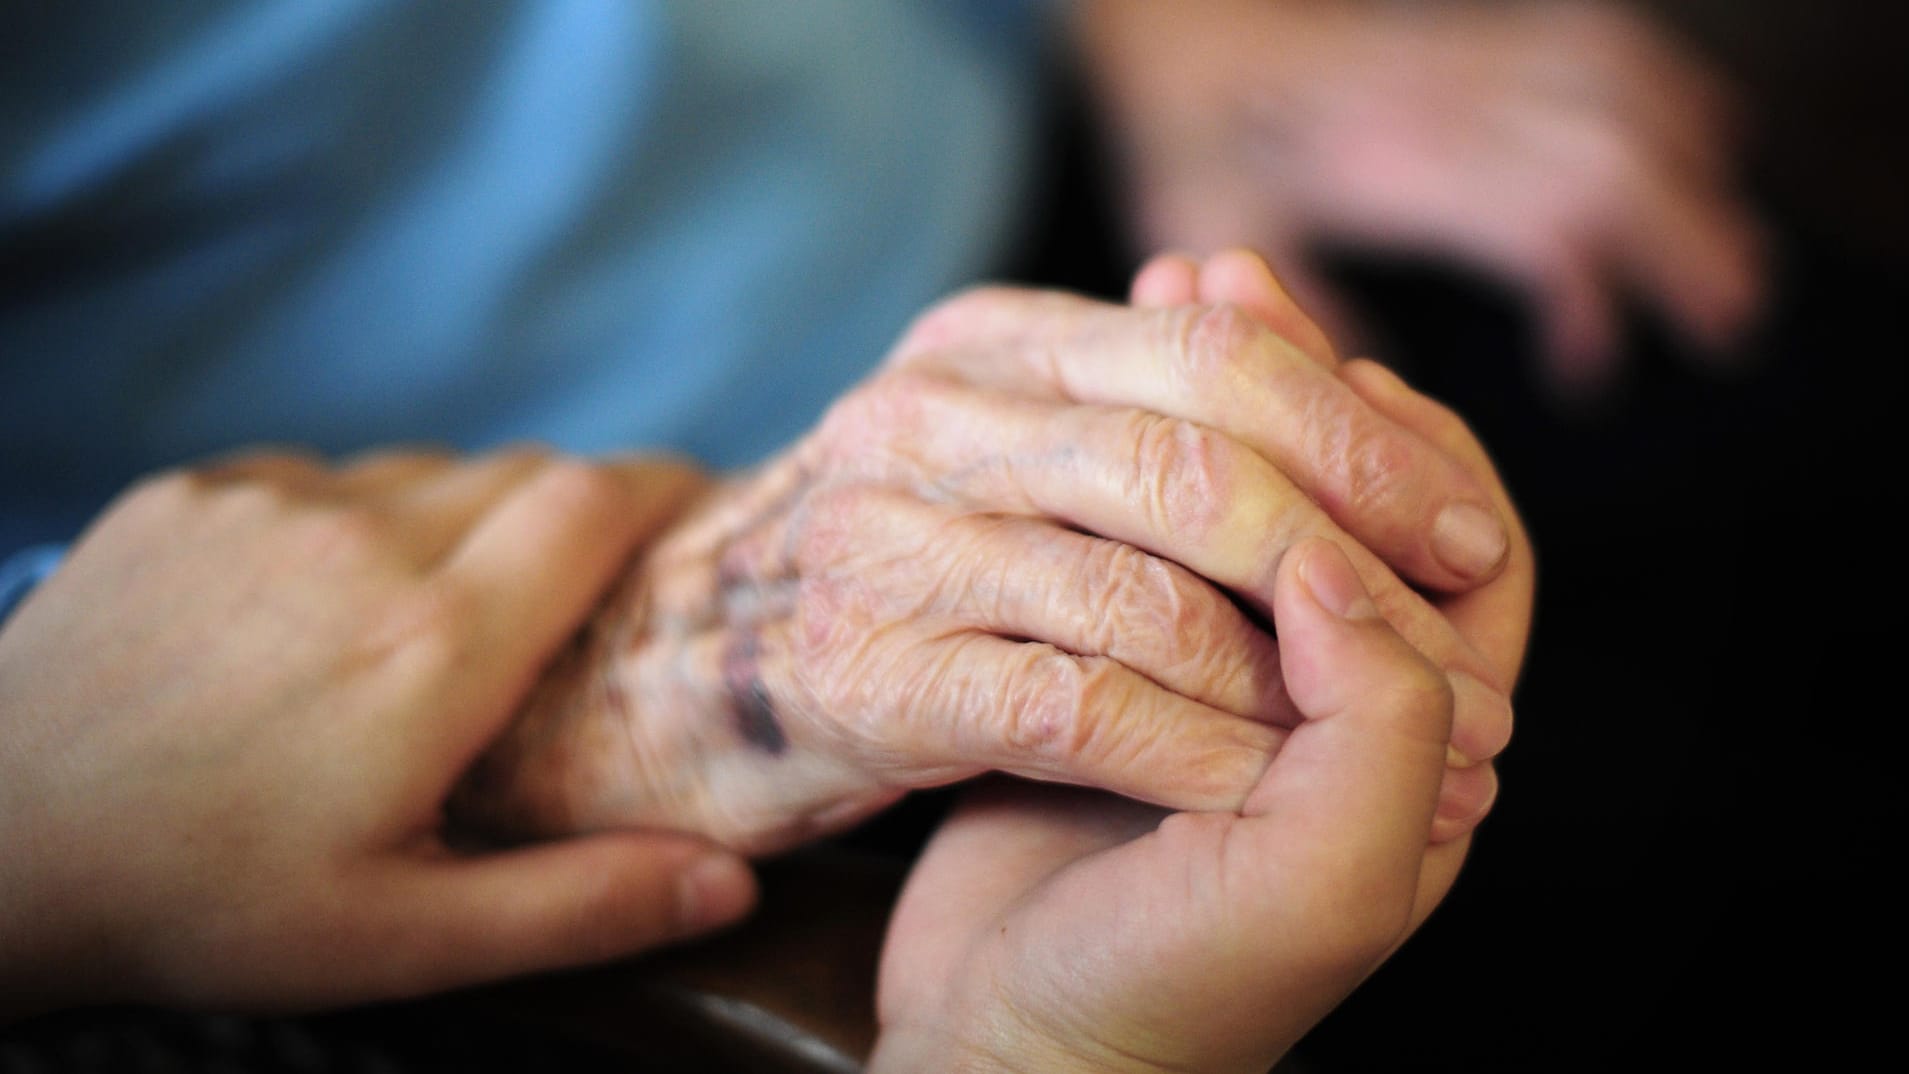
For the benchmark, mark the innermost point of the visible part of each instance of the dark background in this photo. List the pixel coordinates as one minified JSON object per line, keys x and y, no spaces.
{"x":1688,"y":863}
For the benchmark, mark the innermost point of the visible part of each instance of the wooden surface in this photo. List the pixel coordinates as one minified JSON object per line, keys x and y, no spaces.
{"x":792,"y":990}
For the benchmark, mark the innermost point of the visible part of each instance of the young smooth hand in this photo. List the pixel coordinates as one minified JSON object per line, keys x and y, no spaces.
{"x":229,"y":723}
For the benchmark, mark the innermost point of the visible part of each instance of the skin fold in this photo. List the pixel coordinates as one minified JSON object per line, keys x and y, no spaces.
{"x":1060,"y":568}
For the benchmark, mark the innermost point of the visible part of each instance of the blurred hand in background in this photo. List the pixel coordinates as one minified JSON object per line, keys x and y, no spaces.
{"x":1572,"y":149}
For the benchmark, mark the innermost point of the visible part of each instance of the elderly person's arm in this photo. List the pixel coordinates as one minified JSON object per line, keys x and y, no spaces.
{"x":1044,"y":540}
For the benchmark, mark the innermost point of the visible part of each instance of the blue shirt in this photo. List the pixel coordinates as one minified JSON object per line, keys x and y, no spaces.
{"x":600,"y":223}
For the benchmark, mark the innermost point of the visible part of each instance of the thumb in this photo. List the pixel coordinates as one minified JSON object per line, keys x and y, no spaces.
{"x":560,"y":904}
{"x":1341,"y":820}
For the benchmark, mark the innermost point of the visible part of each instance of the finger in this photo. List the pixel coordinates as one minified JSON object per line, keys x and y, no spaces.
{"x":1464,"y":799}
{"x":384,"y":472}
{"x":1026,"y":578}
{"x":1605,"y":59}
{"x":292,"y":469}
{"x":1696,"y":254}
{"x":560,"y":904}
{"x":1166,"y":280}
{"x":1681,"y":238}
{"x":1220,"y":368}
{"x":1323,"y":303}
{"x":436,"y":507}
{"x":1235,"y":276}
{"x":530,"y":570}
{"x":1580,"y":325}
{"x":1495,"y":618}
{"x":928,"y":705}
{"x":1178,"y":490}
{"x":1337,"y":830}
{"x":1242,"y":278}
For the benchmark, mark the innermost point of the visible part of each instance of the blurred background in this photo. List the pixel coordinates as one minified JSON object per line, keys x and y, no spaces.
{"x":1689,"y":864}
{"x":1689,"y":860}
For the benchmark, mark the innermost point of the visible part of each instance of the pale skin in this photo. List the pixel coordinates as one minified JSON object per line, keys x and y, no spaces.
{"x":1036,"y":541}
{"x":1058,"y":930}
{"x":278,"y":624}
{"x":1063,"y":930}
{"x":228,"y":791}
{"x":1572,"y":149}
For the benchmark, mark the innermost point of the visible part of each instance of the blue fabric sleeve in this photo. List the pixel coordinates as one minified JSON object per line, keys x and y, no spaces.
{"x":341,"y":224}
{"x":24,"y":570}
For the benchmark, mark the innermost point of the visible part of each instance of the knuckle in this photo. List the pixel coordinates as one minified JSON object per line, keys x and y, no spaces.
{"x":574,"y":487}
{"x":161,"y":495}
{"x":829,"y":615}
{"x":516,"y":461}
{"x":1212,"y":344}
{"x":1418,"y":688}
{"x":870,"y":415}
{"x":1181,"y":473}
{"x":350,"y":534}
{"x":1133,"y":596}
{"x":1053,"y":701}
{"x":827,"y":527}
{"x":1379,"y":469}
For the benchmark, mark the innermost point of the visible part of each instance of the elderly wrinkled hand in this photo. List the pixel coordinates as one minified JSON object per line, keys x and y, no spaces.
{"x":1569,"y":147}
{"x":1042,"y":539}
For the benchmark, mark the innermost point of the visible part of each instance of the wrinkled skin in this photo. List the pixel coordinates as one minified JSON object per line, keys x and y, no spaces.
{"x":1571,"y":149}
{"x":1062,"y":930}
{"x":1041,"y":539}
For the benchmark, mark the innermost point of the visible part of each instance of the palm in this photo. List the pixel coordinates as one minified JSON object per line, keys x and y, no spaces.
{"x":1032,"y":893}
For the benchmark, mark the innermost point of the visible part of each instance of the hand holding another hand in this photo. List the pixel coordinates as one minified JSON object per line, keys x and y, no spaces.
{"x":1065,"y":930}
{"x":1041,"y":539}
{"x":233,"y":716}
{"x":1061,"y":930}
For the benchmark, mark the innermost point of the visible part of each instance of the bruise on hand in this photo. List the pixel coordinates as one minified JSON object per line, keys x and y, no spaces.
{"x":751,"y":710}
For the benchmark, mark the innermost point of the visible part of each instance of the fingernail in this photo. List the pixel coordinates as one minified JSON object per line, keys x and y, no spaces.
{"x":1481,"y":721}
{"x":1469,"y":540}
{"x":714,"y":891}
{"x":1334,"y":584}
{"x":1468,"y":795}
{"x":1464,"y":799}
